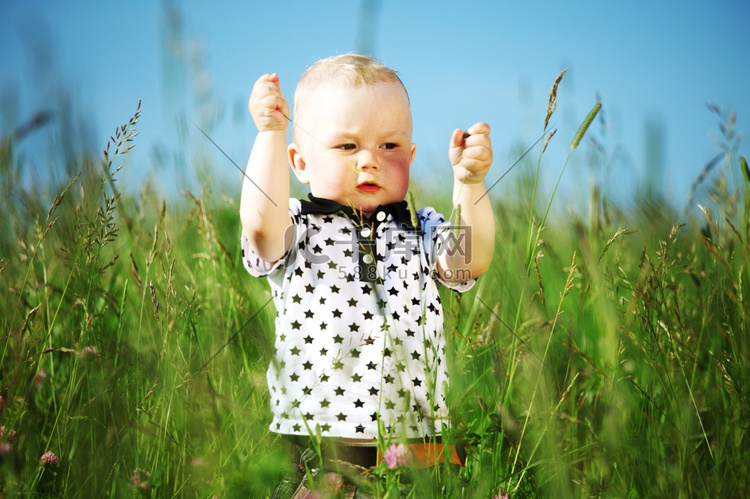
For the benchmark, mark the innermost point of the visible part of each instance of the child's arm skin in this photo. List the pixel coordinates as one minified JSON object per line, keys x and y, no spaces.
{"x":471,"y":158}
{"x":264,"y":223}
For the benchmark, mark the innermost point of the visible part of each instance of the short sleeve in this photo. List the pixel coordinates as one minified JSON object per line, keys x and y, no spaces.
{"x":438,"y":238}
{"x":258,"y":267}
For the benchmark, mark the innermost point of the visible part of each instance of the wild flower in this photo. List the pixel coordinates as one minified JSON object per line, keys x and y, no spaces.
{"x":41,"y":375}
{"x":11,"y":434}
{"x":332,"y":484}
{"x":504,"y":495}
{"x":48,"y":458}
{"x":87,"y":352}
{"x":141,"y":481}
{"x":5,"y":450}
{"x":398,"y":455}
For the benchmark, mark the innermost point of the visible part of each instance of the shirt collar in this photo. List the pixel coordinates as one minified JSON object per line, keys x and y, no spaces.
{"x":399,"y":211}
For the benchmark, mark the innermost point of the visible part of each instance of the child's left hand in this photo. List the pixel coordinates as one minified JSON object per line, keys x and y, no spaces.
{"x":471,"y":157}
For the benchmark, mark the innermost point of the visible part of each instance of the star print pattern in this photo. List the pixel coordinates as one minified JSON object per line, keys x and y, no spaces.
{"x":359,"y":340}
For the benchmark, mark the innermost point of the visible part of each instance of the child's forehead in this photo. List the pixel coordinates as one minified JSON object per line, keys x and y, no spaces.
{"x":341,"y":92}
{"x":336,"y":102}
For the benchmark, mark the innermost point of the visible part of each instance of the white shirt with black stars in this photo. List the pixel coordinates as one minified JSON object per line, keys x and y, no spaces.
{"x":359,"y":324}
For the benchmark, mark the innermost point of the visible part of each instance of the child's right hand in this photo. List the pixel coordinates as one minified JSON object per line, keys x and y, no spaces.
{"x":267,"y":104}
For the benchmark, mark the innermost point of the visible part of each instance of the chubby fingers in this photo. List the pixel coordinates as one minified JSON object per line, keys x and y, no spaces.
{"x":477,"y":129}
{"x":476,"y":136}
{"x":267,"y":104}
{"x":268,"y":84}
{"x":459,"y":136}
{"x":471,"y":152}
{"x":479,"y":141}
{"x":267,"y":91}
{"x":272,"y":77}
{"x":270,"y":80}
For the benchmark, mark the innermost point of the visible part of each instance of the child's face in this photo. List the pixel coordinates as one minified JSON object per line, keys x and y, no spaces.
{"x":361,"y":150}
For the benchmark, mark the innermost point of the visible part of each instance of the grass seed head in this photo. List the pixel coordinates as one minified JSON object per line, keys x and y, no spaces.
{"x":585,"y":126}
{"x":552,"y":106}
{"x":546,"y":141}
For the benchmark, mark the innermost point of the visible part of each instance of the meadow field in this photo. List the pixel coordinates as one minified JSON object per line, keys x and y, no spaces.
{"x":605,"y":354}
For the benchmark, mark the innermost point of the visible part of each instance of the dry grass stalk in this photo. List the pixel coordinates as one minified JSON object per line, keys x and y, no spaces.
{"x":552,"y":105}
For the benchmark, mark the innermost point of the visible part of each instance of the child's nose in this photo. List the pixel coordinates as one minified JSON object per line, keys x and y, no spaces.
{"x":366,"y":160}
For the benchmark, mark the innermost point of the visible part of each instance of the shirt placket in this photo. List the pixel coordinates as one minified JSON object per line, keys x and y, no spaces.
{"x":367,"y":246}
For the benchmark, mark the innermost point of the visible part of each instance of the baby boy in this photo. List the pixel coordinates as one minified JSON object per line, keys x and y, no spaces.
{"x":354,"y":273}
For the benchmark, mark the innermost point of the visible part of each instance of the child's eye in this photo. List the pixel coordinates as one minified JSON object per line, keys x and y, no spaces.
{"x":346,"y":147}
{"x":389,"y":145}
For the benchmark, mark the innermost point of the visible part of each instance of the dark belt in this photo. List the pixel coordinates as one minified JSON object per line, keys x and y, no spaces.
{"x":425,"y":454}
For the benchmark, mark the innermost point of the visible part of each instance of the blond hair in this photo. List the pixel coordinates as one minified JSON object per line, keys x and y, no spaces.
{"x":347,"y":69}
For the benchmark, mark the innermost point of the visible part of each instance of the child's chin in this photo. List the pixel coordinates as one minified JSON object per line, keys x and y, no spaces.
{"x":372,"y":204}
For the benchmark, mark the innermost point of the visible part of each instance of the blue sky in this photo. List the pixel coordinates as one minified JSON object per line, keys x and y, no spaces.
{"x":653,"y":65}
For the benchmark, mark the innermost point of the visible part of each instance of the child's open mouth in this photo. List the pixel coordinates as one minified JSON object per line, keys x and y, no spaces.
{"x":368,"y":187}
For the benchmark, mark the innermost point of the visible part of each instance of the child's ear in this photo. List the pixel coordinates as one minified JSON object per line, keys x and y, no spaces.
{"x":297,"y":162}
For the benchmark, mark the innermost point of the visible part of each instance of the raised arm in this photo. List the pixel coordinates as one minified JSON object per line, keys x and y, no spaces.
{"x":471,"y":158}
{"x":264,"y":202}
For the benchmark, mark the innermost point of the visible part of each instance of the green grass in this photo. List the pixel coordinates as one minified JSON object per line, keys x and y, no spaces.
{"x":599,"y":357}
